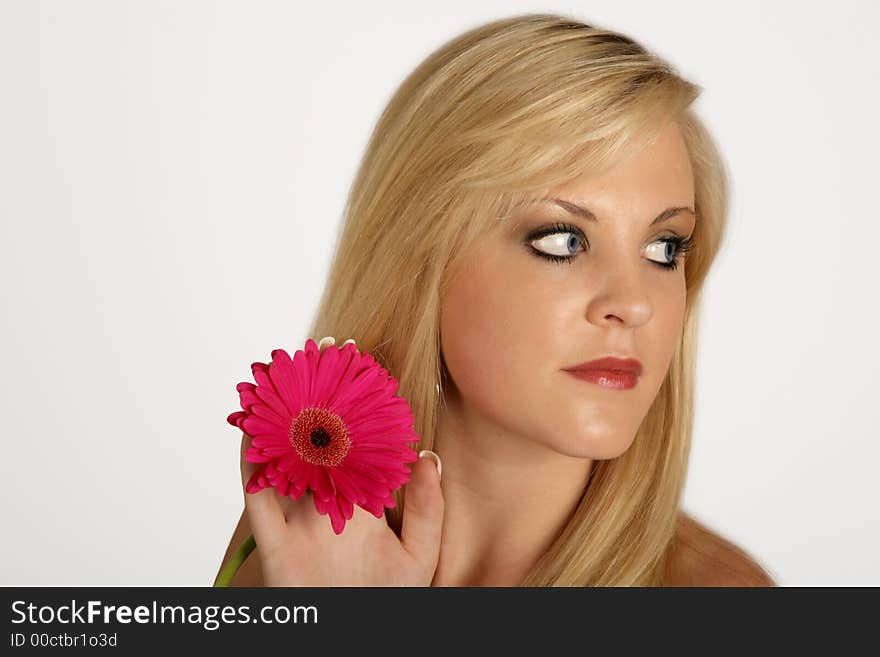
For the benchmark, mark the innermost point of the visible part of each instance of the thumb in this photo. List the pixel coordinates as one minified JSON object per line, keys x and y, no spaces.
{"x":423,"y":511}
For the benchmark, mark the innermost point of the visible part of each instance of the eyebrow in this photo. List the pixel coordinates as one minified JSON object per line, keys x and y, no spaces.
{"x":585,"y":213}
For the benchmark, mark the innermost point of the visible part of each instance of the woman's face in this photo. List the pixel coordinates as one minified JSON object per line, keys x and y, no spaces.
{"x":513,"y":321}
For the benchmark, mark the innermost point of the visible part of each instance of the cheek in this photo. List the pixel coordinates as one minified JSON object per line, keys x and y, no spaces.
{"x":496,"y":327}
{"x":664,"y":334}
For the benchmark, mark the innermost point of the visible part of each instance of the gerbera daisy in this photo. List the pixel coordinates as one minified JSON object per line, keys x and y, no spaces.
{"x":327,"y":420}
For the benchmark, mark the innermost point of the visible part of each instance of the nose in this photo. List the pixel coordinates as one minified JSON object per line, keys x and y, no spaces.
{"x":621,"y":299}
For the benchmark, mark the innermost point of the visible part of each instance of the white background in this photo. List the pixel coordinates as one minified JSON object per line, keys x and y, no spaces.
{"x":172,"y":176}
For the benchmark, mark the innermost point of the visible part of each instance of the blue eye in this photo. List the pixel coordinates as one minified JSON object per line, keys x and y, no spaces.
{"x":564,"y":239}
{"x":560,"y":238}
{"x":672,"y":248}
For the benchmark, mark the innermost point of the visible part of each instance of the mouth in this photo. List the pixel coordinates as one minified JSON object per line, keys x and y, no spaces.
{"x":611,"y":379}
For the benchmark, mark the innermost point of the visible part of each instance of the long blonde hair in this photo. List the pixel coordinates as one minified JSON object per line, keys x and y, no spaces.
{"x":505,"y":111}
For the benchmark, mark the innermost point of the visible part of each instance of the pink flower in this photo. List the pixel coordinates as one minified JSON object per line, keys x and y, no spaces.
{"x":327,"y":421}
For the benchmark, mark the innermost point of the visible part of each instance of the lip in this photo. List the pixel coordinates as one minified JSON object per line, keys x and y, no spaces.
{"x":610,"y":364}
{"x":609,"y":372}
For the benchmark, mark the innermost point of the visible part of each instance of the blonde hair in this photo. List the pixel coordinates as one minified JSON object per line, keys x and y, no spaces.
{"x":502,"y":112}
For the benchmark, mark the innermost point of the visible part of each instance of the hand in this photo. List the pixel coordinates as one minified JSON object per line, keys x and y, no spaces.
{"x":297,"y":545}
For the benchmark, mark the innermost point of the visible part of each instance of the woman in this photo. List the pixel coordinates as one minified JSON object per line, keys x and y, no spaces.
{"x":537,"y":195}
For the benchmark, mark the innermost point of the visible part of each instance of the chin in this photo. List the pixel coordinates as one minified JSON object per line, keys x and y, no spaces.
{"x":598,"y":446}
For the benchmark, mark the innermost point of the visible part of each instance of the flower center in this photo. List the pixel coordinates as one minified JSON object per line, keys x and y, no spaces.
{"x":320,"y":437}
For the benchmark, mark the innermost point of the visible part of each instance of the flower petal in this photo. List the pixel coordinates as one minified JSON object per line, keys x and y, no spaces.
{"x":284,"y":462}
{"x":258,"y":480}
{"x":287,"y":379}
{"x":318,"y":482}
{"x":267,"y":439}
{"x":369,"y":486}
{"x":374,"y":505}
{"x":401,"y":425}
{"x":349,"y":395}
{"x":266,"y":390}
{"x":345,"y":485}
{"x":337,"y":518}
{"x":235,"y":418}
{"x":388,"y":462}
{"x":243,"y":389}
{"x":330,"y":505}
{"x":255,"y":425}
{"x":313,"y":356}
{"x":377,"y":400}
{"x":326,"y":376}
{"x":300,"y":379}
{"x":275,"y":451}
{"x":266,"y":412}
{"x":347,"y":507}
{"x":253,"y":455}
{"x":350,"y":364}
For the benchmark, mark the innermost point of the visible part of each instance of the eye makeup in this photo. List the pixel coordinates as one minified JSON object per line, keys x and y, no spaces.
{"x":680,"y":245}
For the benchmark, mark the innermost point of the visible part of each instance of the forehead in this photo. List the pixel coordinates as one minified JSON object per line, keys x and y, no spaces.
{"x":659,"y":173}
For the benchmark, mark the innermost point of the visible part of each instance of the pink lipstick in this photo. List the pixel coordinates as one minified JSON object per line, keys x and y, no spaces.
{"x":610,"y":372}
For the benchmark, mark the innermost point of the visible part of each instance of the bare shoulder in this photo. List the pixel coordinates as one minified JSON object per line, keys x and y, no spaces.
{"x":702,"y":557}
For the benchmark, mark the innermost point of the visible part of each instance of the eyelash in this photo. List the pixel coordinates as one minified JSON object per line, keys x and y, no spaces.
{"x":682,"y":245}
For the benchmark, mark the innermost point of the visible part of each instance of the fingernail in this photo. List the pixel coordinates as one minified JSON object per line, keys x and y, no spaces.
{"x":433,"y":455}
{"x":329,"y":340}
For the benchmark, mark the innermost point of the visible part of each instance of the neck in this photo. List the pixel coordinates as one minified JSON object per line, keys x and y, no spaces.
{"x":507,"y":497}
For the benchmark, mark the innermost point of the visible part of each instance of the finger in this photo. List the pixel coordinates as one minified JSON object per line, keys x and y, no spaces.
{"x":330,"y":340}
{"x":272,"y":510}
{"x":423,"y":512}
{"x":264,"y":511}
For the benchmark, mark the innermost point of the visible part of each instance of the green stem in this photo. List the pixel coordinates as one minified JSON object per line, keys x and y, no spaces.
{"x":235,"y":562}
